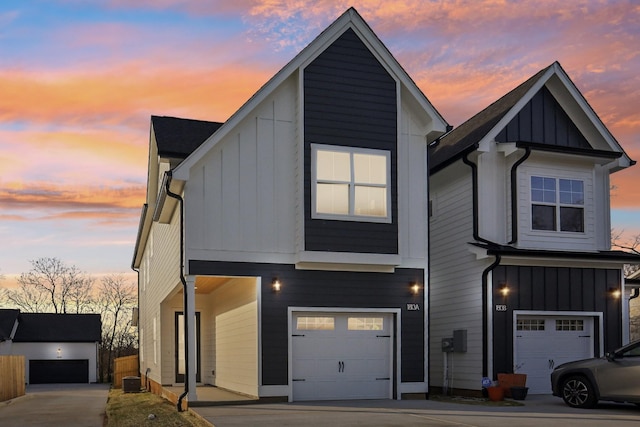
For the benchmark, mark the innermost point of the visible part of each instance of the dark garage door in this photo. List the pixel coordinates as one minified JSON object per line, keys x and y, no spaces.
{"x":58,"y":371}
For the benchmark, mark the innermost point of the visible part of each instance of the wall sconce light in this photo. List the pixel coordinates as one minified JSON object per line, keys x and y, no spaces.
{"x":275,"y":285}
{"x":615,"y":293}
{"x":504,"y":290}
{"x":415,"y":288}
{"x":59,"y":353}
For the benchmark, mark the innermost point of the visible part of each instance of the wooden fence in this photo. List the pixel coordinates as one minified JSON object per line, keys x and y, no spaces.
{"x":12,"y":377}
{"x":125,"y":367}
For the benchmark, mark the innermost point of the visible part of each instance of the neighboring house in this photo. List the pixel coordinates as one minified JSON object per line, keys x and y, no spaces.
{"x":520,"y":237}
{"x":633,"y":282}
{"x":302,"y":264}
{"x":8,"y":326}
{"x":58,"y":348}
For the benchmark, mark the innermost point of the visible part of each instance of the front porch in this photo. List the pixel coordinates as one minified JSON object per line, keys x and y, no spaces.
{"x":208,"y":395}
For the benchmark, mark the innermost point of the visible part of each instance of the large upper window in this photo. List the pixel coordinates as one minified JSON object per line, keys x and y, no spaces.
{"x":557,"y":204}
{"x":350,"y":183}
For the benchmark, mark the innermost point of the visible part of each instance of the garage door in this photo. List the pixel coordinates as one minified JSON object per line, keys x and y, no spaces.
{"x":543,"y":342}
{"x":58,"y":371}
{"x":341,"y":356}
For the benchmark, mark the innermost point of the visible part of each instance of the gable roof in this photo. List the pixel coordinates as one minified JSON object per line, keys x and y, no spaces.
{"x":8,"y":319}
{"x":177,"y":138}
{"x":489,"y":122}
{"x":50,"y":327}
{"x":349,"y":19}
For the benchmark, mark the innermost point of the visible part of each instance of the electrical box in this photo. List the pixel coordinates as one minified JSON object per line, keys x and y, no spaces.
{"x":460,"y":341}
{"x":447,"y":345}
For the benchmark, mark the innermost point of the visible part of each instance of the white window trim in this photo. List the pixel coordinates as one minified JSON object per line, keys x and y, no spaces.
{"x":350,"y":217}
{"x":558,"y":205}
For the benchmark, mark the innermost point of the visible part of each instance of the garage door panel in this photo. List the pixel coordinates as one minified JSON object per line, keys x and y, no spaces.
{"x":58,"y":371}
{"x":344,"y":363}
{"x":543,"y":342}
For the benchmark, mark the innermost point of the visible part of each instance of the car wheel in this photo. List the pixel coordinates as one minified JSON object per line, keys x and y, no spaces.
{"x":578,"y":392}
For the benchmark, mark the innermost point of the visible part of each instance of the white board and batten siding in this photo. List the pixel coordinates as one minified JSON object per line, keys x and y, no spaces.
{"x":455,"y":293}
{"x":240,"y":196}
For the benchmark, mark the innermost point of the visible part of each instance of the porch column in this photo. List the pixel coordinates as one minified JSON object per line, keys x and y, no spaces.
{"x":190,"y":314}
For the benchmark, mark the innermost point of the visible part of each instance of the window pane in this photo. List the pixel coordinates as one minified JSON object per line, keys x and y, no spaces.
{"x":543,"y":189}
{"x":572,"y":219}
{"x":315,"y":323}
{"x":571,"y":192}
{"x":543,"y":217}
{"x":370,"y":169}
{"x":370,"y":201}
{"x":333,"y":166}
{"x":332,"y":199}
{"x":530,"y":325}
{"x":569,"y":325}
{"x":365,"y":323}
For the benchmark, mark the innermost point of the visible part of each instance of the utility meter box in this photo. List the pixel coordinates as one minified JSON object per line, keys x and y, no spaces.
{"x":460,"y":341}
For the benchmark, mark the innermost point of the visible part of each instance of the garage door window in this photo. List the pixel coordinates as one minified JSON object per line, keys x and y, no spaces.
{"x":569,"y":325}
{"x":365,"y":323}
{"x":530,"y":325}
{"x":315,"y":323}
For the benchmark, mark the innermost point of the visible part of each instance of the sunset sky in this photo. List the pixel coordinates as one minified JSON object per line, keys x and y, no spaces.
{"x":79,"y":80}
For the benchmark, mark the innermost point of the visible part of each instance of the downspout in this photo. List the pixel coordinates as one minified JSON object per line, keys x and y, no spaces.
{"x":485,"y":315}
{"x":635,"y":294}
{"x":474,"y":180}
{"x":184,"y":293}
{"x":514,"y":199}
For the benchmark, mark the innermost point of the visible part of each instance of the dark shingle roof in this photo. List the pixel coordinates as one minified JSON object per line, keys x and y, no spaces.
{"x":50,"y":327}
{"x":465,"y":137}
{"x":177,"y":138}
{"x":7,"y":321}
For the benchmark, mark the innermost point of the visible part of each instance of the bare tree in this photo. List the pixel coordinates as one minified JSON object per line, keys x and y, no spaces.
{"x":51,"y":286}
{"x":629,"y":244}
{"x":116,"y":299}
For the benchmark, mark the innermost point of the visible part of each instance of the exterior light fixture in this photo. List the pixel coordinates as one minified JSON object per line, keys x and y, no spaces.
{"x":615,"y":293}
{"x":415,"y":288}
{"x":504,"y":290}
{"x":59,"y":353}
{"x":275,"y":285}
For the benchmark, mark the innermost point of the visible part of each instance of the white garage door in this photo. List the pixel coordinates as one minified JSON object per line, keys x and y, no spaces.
{"x":543,"y":342}
{"x":341,"y":356}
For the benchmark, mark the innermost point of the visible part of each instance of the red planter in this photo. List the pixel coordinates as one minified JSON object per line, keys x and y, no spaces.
{"x":496,"y":394}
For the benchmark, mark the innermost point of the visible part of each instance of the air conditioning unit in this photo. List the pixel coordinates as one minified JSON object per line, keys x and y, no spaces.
{"x":131,"y":384}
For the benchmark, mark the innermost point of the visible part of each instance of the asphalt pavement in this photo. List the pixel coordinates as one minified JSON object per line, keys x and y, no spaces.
{"x":68,"y":405}
{"x":536,"y":411}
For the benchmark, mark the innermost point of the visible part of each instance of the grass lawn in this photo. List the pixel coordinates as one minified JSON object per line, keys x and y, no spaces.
{"x":133,"y":410}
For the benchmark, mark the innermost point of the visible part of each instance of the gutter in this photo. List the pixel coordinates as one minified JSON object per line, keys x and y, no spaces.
{"x":514,"y":199}
{"x":168,"y":177}
{"x":474,"y":179}
{"x":485,"y":315}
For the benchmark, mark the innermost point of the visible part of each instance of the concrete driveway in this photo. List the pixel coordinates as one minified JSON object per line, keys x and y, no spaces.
{"x":537,"y":411}
{"x":69,"y":405}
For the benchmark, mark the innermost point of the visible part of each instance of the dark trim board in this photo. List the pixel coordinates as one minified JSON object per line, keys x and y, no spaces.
{"x":335,"y":289}
{"x":553,"y":289}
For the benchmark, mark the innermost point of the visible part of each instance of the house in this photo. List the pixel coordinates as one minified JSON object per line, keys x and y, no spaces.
{"x":282,"y":254}
{"x":633,"y":282}
{"x":58,"y":348}
{"x":521,"y":262}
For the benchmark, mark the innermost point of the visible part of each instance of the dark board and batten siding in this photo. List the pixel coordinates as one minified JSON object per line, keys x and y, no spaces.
{"x":543,"y":120}
{"x":350,"y":100}
{"x":309,"y":288}
{"x":554,"y":289}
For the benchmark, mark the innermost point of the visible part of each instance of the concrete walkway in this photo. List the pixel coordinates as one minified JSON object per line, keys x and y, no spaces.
{"x":537,"y":411}
{"x":69,"y":405}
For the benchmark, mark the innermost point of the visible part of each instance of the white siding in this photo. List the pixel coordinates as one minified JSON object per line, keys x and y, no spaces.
{"x":49,"y":351}
{"x":239,"y":198}
{"x":537,"y":239}
{"x":455,"y":290}
{"x":234,"y":323}
{"x":159,"y":278}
